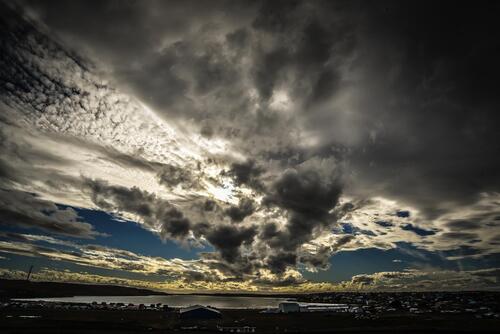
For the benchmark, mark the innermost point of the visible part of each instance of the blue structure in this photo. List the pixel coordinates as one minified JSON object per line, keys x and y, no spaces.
{"x":199,"y":312}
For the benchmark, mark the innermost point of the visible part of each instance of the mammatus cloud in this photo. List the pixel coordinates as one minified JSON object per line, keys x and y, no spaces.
{"x":280,"y":133}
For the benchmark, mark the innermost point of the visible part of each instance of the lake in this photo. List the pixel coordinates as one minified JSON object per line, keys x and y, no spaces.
{"x":232,"y":302}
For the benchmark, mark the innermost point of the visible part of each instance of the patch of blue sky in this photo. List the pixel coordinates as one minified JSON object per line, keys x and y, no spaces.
{"x":121,"y":234}
{"x":132,"y":237}
{"x":346,"y":264}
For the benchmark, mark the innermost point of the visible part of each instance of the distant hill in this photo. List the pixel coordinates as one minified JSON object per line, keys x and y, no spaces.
{"x":28,"y":289}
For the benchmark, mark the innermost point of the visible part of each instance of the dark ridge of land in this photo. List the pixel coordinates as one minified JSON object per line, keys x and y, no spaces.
{"x":28,"y":289}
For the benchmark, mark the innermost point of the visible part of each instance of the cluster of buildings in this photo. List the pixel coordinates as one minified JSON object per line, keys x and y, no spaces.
{"x":362,"y":305}
{"x":293,"y":306}
{"x":19,"y":304}
{"x":480,"y":304}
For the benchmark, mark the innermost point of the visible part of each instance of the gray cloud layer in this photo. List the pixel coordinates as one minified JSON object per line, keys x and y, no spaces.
{"x":366,"y":76}
{"x":313,"y":100}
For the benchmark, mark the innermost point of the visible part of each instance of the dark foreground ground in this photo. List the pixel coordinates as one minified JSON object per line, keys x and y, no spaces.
{"x":137,"y":321}
{"x":430,"y":312}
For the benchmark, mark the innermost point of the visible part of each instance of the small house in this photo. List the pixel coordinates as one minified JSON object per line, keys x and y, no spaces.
{"x":199,"y":312}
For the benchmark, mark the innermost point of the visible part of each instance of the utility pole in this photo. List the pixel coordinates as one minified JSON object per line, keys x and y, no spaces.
{"x":29,"y":273}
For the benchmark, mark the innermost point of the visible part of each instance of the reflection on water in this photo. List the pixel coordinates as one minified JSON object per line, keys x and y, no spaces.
{"x":176,"y":300}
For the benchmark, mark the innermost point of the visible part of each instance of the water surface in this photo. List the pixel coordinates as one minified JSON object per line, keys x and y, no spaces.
{"x":176,"y":300}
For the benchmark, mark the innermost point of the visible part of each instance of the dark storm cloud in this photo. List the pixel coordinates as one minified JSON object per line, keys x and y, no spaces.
{"x":307,"y":196}
{"x":217,"y":69}
{"x":305,"y":193}
{"x":18,"y":208}
{"x":133,"y":28}
{"x":307,"y":55}
{"x":245,"y":208}
{"x":320,"y":260}
{"x":406,"y":77}
{"x":235,"y":269}
{"x":169,"y":221}
{"x":269,"y":231}
{"x":246,"y":173}
{"x":433,"y":95}
{"x":165,"y":58}
{"x":46,"y":91}
{"x":156,"y":213}
{"x":227,"y":240}
{"x":411,"y":108}
{"x":279,"y":262}
{"x":188,"y":57}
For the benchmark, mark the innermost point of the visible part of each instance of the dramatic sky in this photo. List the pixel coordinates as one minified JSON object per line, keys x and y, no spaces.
{"x":251,"y":145}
